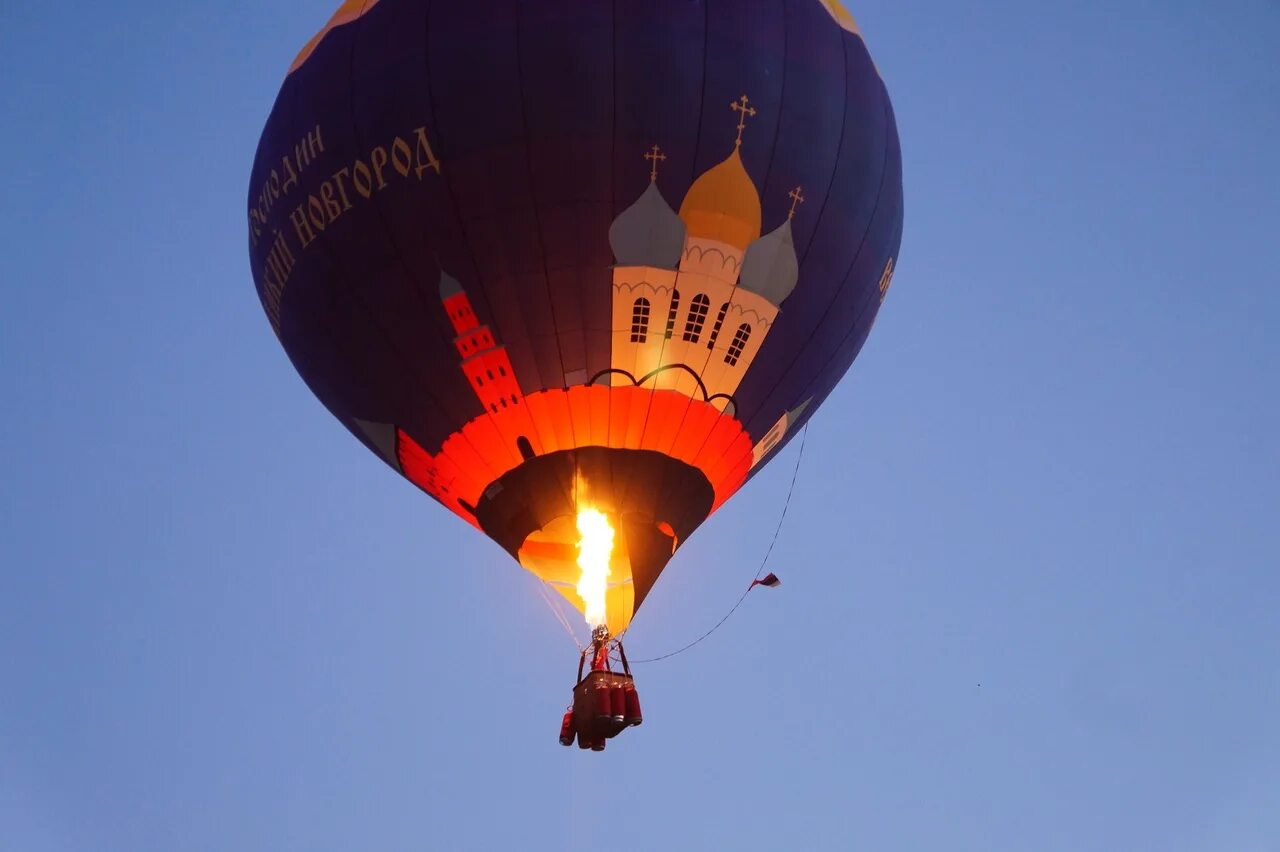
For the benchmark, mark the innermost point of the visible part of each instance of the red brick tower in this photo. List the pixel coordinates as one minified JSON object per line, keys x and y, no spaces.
{"x":484,"y":361}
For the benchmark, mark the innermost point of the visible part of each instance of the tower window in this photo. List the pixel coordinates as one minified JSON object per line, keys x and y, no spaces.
{"x":502,"y":371}
{"x":479,"y":381}
{"x":640,"y":320}
{"x":671,"y":314}
{"x":740,"y":338}
{"x":697,"y":316}
{"x":715,"y":329}
{"x":514,"y":401}
{"x":493,"y":406}
{"x":490,"y":372}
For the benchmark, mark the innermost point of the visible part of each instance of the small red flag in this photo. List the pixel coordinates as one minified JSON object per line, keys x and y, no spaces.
{"x":769,"y":580}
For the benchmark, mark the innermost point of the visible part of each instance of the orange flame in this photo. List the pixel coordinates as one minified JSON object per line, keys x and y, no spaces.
{"x":594,"y":550}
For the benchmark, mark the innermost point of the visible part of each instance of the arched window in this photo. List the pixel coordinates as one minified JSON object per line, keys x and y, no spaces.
{"x":740,"y":338}
{"x":697,"y":316}
{"x":715,"y":329}
{"x":640,"y":320}
{"x":671,"y":314}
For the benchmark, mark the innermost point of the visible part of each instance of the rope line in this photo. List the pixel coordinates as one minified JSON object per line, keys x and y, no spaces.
{"x":786,"y":505}
{"x":556,"y":611}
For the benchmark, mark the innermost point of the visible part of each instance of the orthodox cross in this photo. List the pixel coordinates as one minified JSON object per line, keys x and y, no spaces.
{"x":740,"y":106}
{"x":796,"y":198}
{"x":655,"y":154}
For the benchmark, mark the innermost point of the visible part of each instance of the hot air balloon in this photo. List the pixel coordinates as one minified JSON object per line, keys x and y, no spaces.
{"x":577,"y":270}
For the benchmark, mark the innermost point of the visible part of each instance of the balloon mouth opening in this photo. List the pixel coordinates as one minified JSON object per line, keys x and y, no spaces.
{"x":551,"y":514}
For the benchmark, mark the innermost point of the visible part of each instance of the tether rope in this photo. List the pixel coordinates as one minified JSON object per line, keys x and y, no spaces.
{"x":786,"y":505}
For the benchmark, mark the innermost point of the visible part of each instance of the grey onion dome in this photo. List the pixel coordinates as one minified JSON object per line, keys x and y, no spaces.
{"x":648,"y":233}
{"x":449,"y":286}
{"x":770,"y":268}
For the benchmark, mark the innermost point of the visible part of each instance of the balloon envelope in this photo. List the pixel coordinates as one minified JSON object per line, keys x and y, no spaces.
{"x":543,"y":255}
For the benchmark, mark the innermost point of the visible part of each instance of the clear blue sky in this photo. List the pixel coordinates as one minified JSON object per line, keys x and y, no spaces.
{"x":1040,"y":613}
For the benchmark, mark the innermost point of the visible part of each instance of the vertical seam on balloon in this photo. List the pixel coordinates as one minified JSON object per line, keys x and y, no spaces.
{"x":823,"y":367}
{"x":378,"y":211}
{"x":356,"y":136}
{"x":810,"y":388}
{"x":579,"y":281}
{"x":539,"y":384}
{"x":333,"y":336}
{"x":867,"y":230}
{"x":462,"y":227}
{"x":884,"y":173}
{"x":426,"y":303}
{"x":688,"y":404}
{"x":572,"y":488}
{"x":461,"y":222}
{"x":693,"y":174}
{"x":675,"y":281}
{"x":835,"y":166}
{"x":537,"y":219}
{"x":391,"y":349}
{"x":568,"y":489}
{"x":782,"y":95}
{"x":742,"y":417}
{"x":781,"y":101}
{"x":853,"y":327}
{"x":613,"y":203}
{"x":813,"y":383}
{"x":448,"y":186}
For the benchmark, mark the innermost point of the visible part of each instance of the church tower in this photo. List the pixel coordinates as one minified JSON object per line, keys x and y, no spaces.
{"x":484,"y":361}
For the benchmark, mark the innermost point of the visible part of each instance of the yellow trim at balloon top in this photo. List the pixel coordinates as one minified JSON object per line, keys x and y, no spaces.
{"x":349,"y":11}
{"x":841,"y":14}
{"x":846,"y":21}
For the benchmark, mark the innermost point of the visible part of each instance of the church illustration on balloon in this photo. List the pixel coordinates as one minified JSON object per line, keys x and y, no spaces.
{"x":694,"y":295}
{"x":712,"y":256}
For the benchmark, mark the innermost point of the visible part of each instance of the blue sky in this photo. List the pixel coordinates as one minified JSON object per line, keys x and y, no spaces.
{"x":1031,"y":570}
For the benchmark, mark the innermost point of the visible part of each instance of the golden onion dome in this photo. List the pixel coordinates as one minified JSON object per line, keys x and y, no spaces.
{"x":723,"y":205}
